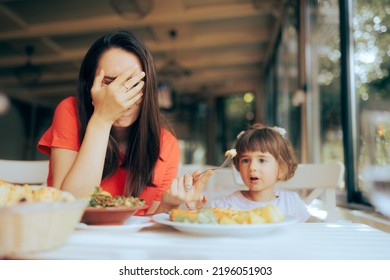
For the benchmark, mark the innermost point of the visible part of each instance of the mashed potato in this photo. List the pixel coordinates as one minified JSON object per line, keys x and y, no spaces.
{"x":266,"y":214}
{"x":11,"y":194}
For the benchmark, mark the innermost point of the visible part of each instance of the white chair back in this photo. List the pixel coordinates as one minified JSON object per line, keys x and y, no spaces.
{"x":24,"y":171}
{"x":321,"y":180}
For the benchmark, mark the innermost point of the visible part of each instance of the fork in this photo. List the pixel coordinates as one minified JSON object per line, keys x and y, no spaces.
{"x":224,"y":164}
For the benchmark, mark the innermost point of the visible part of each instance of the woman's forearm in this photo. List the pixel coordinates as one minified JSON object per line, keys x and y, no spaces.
{"x":86,"y":171}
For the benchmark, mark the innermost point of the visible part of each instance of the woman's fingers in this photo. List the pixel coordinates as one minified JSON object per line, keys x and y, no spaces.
{"x":182,"y":187}
{"x":188,"y":185}
{"x":197,"y":203}
{"x":131,"y":90}
{"x":196,"y":174}
{"x":134,"y":96}
{"x":112,"y":100}
{"x":201,"y":181}
{"x":123,"y":78}
{"x":172,"y":195}
{"x":128,"y":82}
{"x":134,"y":80}
{"x":183,"y":190}
{"x":97,"y":82}
{"x":173,"y":188}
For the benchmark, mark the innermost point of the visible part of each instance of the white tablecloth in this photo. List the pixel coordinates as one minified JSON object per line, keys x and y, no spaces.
{"x":318,"y":241}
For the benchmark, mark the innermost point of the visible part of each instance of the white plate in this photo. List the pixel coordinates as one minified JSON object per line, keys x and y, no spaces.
{"x":223,"y":230}
{"x":133,"y":224}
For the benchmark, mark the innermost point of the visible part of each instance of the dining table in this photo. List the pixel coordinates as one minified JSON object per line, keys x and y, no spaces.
{"x":161,"y":241}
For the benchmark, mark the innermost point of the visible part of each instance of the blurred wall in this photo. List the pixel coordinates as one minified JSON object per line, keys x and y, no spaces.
{"x":12,"y":137}
{"x":21,"y":126}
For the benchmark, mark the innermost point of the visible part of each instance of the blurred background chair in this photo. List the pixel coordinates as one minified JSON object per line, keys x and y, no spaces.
{"x":24,"y":172}
{"x":318,"y":181}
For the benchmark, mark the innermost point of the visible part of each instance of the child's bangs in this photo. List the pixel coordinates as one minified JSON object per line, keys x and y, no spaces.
{"x":262,"y":141}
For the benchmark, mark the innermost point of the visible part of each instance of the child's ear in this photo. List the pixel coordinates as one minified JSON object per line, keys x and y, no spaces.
{"x":282,"y":172}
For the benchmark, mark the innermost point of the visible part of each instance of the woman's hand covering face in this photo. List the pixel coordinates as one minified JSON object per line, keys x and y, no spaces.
{"x":114,"y":96}
{"x":117,"y":88}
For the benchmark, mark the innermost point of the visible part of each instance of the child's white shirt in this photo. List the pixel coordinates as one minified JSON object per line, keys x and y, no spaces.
{"x":288,"y":202}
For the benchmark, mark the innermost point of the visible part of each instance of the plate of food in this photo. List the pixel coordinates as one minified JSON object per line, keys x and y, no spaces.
{"x":104,"y":209}
{"x":225,"y":221}
{"x":133,"y":224}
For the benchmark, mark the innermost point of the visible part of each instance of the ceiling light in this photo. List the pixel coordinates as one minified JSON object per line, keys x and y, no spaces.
{"x":29,"y":74}
{"x":172,"y":69}
{"x":132,"y":8}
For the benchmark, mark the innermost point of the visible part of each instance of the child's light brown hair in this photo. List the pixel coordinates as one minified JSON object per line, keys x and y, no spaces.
{"x":267,"y":139}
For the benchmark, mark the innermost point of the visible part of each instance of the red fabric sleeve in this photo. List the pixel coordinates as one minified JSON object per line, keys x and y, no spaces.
{"x":63,"y":132}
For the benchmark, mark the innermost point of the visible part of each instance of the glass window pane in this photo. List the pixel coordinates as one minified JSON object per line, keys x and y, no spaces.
{"x":236,"y":113}
{"x":287,"y":112}
{"x":324,"y":99}
{"x":371,"y":34}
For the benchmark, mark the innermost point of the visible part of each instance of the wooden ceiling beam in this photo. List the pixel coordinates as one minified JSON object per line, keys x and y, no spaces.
{"x":212,"y":78}
{"x":221,"y":60}
{"x":110,"y":22}
{"x":206,"y":41}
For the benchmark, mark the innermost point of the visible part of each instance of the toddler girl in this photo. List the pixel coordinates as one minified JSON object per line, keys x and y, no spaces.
{"x":264,"y":157}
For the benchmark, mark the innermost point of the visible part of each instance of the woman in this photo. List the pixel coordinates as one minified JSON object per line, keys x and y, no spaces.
{"x":112,"y":133}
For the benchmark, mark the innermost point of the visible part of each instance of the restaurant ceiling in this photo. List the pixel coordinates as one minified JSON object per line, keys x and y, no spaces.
{"x":199,"y":46}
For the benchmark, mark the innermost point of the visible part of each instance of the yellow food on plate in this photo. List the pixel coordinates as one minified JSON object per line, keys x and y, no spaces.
{"x":228,"y":216}
{"x":11,"y":194}
{"x":231,"y":152}
{"x":271,"y":214}
{"x":185,"y":216}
